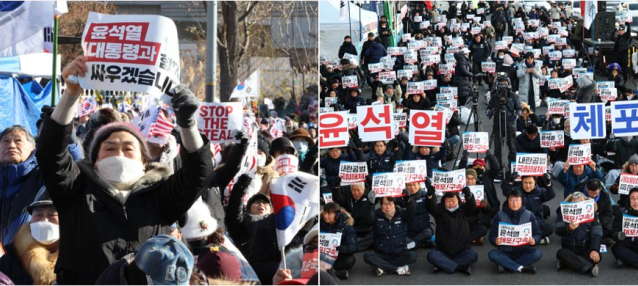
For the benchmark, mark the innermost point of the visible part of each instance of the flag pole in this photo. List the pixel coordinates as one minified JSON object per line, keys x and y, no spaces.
{"x":54,"y":78}
{"x":283,"y":256}
{"x":350,"y":18}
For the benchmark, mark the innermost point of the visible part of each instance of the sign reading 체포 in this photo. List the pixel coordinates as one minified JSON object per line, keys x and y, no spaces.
{"x":580,"y":212}
{"x":415,"y":170}
{"x":476,"y":142}
{"x":388,"y":184}
{"x":514,"y":235}
{"x":450,"y":181}
{"x":579,"y":154}
{"x":552,"y":139}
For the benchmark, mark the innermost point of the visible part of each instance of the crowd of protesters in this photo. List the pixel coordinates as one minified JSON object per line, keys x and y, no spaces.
{"x":389,"y":229}
{"x":93,"y":200}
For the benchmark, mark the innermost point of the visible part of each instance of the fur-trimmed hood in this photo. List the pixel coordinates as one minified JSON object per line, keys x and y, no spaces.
{"x":38,"y":259}
{"x":155,"y":172}
{"x":345,"y":216}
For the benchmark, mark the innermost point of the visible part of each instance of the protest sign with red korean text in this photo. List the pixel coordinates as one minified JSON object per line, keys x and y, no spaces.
{"x":334,"y":129}
{"x":375,"y":122}
{"x":579,"y":154}
{"x":352,"y":172}
{"x":556,"y":106}
{"x":626,"y":183}
{"x":476,"y":142}
{"x":388,"y":184}
{"x":580,"y":212}
{"x":450,"y":181}
{"x":350,"y":81}
{"x":138,"y":53}
{"x":630,"y":225}
{"x":552,"y":138}
{"x":427,"y":128}
{"x":329,"y":242}
{"x":531,"y":164}
{"x":513,"y":234}
{"x":415,"y":170}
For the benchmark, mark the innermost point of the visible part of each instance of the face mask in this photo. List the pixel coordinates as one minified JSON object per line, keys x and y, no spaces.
{"x":630,"y":96}
{"x":399,"y":110}
{"x":556,"y":120}
{"x":261,"y":160}
{"x":627,"y":138}
{"x":501,"y":57}
{"x":567,"y":132}
{"x":119,"y":169}
{"x":300,"y":146}
{"x":479,"y":172}
{"x":45,"y":232}
{"x":453,"y":209}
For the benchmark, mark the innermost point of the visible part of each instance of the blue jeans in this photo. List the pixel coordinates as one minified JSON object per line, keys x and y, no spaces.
{"x":449,"y":263}
{"x":512,"y":261}
{"x":454,"y":139}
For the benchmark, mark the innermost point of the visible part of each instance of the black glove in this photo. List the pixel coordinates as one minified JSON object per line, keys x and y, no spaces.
{"x":406,"y":196}
{"x":185,"y":104}
{"x":488,"y":154}
{"x":513,"y":177}
{"x":242,"y":136}
{"x":430,"y":188}
{"x":337,"y":182}
{"x":342,"y":249}
{"x":369,"y":179}
{"x":242,"y":183}
{"x":545,"y":180}
{"x":351,"y":144}
{"x":467,"y":192}
{"x":466,"y":154}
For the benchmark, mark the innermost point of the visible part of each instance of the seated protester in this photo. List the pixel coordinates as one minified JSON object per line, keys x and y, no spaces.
{"x":419,"y":229}
{"x":570,"y":177}
{"x":534,"y":197}
{"x":31,"y":257}
{"x":432,"y":155}
{"x":416,"y":101}
{"x":390,"y":237}
{"x":594,"y":189}
{"x":132,"y":199}
{"x":526,"y":118}
{"x":553,"y":93}
{"x":515,"y":258}
{"x":452,"y":252}
{"x":624,"y":148}
{"x":331,"y":163}
{"x":355,"y":201}
{"x":486,"y":178}
{"x":161,"y":260}
{"x":381,"y":159}
{"x":626,"y":248}
{"x":630,"y":167}
{"x":555,"y":122}
{"x":580,"y":243}
{"x":241,"y":222}
{"x":334,"y":220}
{"x":529,"y":141}
{"x":353,"y":99}
{"x":480,"y":218}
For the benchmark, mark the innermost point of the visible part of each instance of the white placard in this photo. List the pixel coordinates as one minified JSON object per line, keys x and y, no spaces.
{"x":531,"y":164}
{"x":476,"y":142}
{"x":220,"y":121}
{"x":388,"y":184}
{"x":579,"y":154}
{"x":514,"y":235}
{"x":626,"y":183}
{"x":580,"y":212}
{"x":450,"y":181}
{"x":630,"y":225}
{"x":555,"y":139}
{"x":415,"y":170}
{"x":352,"y":172}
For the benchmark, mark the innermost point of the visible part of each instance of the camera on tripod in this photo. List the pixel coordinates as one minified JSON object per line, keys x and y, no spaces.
{"x":501,"y":96}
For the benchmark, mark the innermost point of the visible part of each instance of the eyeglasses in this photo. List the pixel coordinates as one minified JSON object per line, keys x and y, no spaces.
{"x":516,"y":200}
{"x":388,"y":204}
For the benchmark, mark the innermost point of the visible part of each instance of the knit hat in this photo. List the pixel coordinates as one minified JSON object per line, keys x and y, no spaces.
{"x":507,"y":60}
{"x":105,"y":132}
{"x":218,"y":264}
{"x":633,"y":159}
{"x":389,"y":86}
{"x":479,"y":162}
{"x":301,"y":133}
{"x":165,"y":260}
{"x":471,"y":172}
{"x":199,"y":222}
{"x":263,"y":144}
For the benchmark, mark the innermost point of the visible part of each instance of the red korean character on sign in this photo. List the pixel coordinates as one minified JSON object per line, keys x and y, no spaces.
{"x":333,"y":128}
{"x":427,"y":128}
{"x":380,"y":122}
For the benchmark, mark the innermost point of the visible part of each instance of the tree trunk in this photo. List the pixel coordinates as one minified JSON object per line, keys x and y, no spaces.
{"x":228,"y":50}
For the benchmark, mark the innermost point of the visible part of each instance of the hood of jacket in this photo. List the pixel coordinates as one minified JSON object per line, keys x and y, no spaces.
{"x":155,"y":172}
{"x":38,"y":259}
{"x":343,"y":217}
{"x":12,"y":175}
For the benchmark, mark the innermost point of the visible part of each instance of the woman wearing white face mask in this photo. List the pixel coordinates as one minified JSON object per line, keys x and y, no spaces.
{"x":265,"y":166}
{"x":36,"y":244}
{"x":116,"y":199}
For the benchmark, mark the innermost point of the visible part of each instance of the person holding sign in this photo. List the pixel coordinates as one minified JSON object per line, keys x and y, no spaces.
{"x":594,"y":189}
{"x":353,"y":100}
{"x":529,"y":142}
{"x":452,"y":252}
{"x":381,"y":159}
{"x":480,"y":50}
{"x":626,"y":248}
{"x":121,"y":181}
{"x":336,"y":220}
{"x":573,"y":175}
{"x":515,"y":258}
{"x":419,"y":229}
{"x":529,"y":74}
{"x":534,"y":197}
{"x":332,"y":162}
{"x":580,"y":242}
{"x":355,"y":201}
{"x":629,"y":168}
{"x":390,"y":237}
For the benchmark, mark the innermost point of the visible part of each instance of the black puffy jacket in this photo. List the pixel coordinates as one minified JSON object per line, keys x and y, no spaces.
{"x":586,"y":235}
{"x":96,"y":227}
{"x":362,"y":210}
{"x":390,"y":235}
{"x":452,"y":228}
{"x":462,"y":74}
{"x":343,"y":224}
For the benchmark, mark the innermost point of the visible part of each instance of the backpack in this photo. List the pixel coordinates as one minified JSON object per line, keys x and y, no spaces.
{"x":499,"y":21}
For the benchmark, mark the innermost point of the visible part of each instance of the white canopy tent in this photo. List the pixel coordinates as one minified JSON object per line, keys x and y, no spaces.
{"x":333,"y":29}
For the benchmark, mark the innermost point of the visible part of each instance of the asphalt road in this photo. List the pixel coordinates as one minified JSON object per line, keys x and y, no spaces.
{"x":484,"y":271}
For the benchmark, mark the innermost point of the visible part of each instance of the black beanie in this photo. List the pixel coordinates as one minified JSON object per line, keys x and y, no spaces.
{"x":263,"y":144}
